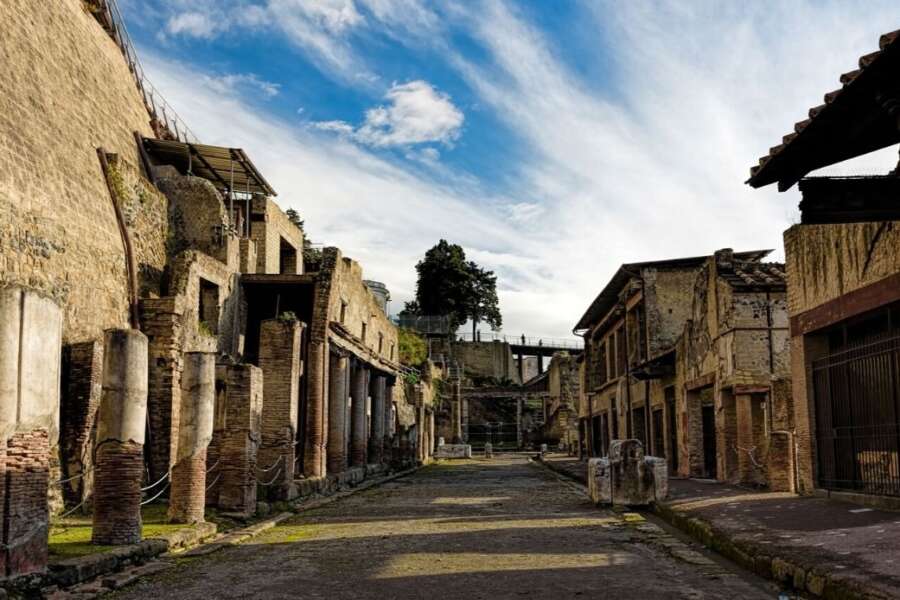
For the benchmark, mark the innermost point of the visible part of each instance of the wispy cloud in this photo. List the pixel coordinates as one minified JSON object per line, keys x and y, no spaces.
{"x":415,"y":113}
{"x":235,"y":82}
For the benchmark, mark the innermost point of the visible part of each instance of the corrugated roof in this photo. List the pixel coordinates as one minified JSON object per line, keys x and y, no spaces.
{"x":608,"y":297}
{"x":226,"y":168}
{"x":849,"y":123}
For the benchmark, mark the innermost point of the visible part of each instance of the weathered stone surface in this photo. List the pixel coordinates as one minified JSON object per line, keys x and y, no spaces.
{"x":627,"y":477}
{"x":454,"y":451}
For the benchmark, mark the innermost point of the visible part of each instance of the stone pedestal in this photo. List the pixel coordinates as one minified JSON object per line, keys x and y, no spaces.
{"x":240,"y":440}
{"x":627,"y":477}
{"x":119,"y":448}
{"x":488,"y":450}
{"x":454,"y":451}
{"x":187,"y":498}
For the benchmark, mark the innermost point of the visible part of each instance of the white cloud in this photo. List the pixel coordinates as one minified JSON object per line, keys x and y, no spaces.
{"x":416,"y":113}
{"x":428,"y":156}
{"x":195,"y":24}
{"x":232,"y":83}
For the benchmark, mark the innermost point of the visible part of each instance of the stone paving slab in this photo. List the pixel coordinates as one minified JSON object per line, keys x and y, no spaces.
{"x":821,"y":546}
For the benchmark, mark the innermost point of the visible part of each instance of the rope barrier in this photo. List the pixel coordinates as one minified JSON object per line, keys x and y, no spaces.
{"x":73,"y":477}
{"x":214,"y":482}
{"x":161,"y":492}
{"x":216,"y":464}
{"x":277,"y":475}
{"x":69,"y":512}
{"x":153,"y":485}
{"x":272,"y":466}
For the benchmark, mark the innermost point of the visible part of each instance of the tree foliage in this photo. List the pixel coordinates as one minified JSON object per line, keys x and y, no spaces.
{"x":450,"y":285}
{"x":412,"y":348}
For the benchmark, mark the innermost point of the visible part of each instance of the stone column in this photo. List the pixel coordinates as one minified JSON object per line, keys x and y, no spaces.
{"x":456,"y":410}
{"x":279,"y":359}
{"x":240,"y":439}
{"x":519,"y":422}
{"x":119,"y":446}
{"x":389,"y":420}
{"x":317,"y":411}
{"x":337,"y":414}
{"x":30,"y":347}
{"x":187,"y":498}
{"x":376,"y":440}
{"x":422,"y":431}
{"x":430,"y":450}
{"x":358,"y":394}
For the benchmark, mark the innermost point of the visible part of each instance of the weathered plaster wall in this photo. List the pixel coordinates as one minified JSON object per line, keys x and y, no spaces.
{"x":65,"y":81}
{"x":826,"y":261}
{"x":488,"y":360}
{"x":668,"y":300}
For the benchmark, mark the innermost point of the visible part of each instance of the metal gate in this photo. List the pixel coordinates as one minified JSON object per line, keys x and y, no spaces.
{"x":502,"y":436}
{"x":857,"y":424}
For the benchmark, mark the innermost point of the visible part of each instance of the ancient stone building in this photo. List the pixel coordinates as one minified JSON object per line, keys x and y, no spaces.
{"x":843,"y":274}
{"x":561,"y":406}
{"x":165,"y":306}
{"x":628,"y":381}
{"x":733,"y":410}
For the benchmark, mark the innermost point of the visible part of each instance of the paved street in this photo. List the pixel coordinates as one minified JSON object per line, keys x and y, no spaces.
{"x":475,"y":529}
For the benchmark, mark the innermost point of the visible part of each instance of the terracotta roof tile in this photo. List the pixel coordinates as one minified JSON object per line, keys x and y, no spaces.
{"x":846,"y":79}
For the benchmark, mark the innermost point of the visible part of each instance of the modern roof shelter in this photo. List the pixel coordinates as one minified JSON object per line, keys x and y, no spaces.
{"x":229,"y":169}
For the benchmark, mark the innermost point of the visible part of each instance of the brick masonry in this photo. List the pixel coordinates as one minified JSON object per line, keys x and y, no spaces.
{"x":81,"y":388}
{"x":240,"y":439}
{"x":24,"y":513}
{"x":117,"y":493}
{"x":279,"y":359}
{"x":187,"y":494}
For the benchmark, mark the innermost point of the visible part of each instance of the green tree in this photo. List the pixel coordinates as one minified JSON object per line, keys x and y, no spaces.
{"x":450,"y":285}
{"x":413,"y":350}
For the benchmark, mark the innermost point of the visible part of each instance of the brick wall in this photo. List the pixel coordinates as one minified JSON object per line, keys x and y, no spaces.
{"x":268,"y":226}
{"x":240,"y":439}
{"x":82,"y":382}
{"x":279,"y":360}
{"x":24,"y":470}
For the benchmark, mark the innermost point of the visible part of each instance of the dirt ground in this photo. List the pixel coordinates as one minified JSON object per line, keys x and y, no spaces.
{"x":500,"y":528}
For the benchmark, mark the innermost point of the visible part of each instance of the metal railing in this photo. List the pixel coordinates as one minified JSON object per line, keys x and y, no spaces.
{"x":163,"y":115}
{"x":522,"y":340}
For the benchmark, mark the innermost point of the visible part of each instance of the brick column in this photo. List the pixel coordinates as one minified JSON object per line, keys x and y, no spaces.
{"x":317,"y":413}
{"x":119,"y":448}
{"x":240,"y":439}
{"x":161,"y":321}
{"x":81,"y":387}
{"x":376,"y":440}
{"x":456,"y":412}
{"x":358,"y":394}
{"x":30,"y":350}
{"x":279,"y":359}
{"x":187,"y":498}
{"x":337,"y":413}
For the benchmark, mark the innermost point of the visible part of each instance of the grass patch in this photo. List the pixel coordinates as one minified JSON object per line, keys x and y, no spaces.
{"x":71,"y":537}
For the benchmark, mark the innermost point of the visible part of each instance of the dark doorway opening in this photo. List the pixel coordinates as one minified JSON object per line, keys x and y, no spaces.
{"x":659,"y":443}
{"x":709,"y":442}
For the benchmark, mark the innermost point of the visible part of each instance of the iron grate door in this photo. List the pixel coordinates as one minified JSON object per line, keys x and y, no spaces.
{"x":857,"y":425}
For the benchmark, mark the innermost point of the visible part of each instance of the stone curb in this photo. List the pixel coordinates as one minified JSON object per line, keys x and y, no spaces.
{"x":756,"y":558}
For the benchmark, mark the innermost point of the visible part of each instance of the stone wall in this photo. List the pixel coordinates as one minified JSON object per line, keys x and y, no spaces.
{"x":486,"y":360}
{"x":67,"y":84}
{"x":268,"y":227}
{"x":667,"y":299}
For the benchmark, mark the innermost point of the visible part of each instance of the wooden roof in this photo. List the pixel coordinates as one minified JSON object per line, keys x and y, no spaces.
{"x":226,"y":168}
{"x":859,"y":117}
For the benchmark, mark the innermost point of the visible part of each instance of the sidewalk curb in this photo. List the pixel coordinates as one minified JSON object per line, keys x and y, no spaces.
{"x":755,"y":558}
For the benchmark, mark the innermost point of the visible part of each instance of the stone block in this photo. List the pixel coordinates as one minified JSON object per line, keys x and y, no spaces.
{"x":599,"y":484}
{"x":454,"y":451}
{"x":632,"y":478}
{"x":488,"y":450}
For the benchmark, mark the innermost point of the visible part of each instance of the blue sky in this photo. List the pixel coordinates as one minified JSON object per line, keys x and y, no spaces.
{"x":554,"y":140}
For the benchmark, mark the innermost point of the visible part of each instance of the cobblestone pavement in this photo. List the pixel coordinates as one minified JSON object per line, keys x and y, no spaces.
{"x":498,"y":528}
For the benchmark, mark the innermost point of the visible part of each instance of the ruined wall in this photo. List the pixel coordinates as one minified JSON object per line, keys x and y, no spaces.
{"x":65,"y":81}
{"x":668,"y":301}
{"x":826,"y":261}
{"x":268,"y":226}
{"x":486,"y":360}
{"x":359,"y":307}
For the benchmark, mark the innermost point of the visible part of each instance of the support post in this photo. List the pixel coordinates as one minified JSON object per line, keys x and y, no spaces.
{"x":337,"y":413}
{"x":240,"y":440}
{"x":317,"y":412}
{"x":376,"y":440}
{"x":358,"y":394}
{"x":119,"y":447}
{"x":187,"y":499}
